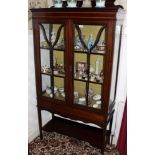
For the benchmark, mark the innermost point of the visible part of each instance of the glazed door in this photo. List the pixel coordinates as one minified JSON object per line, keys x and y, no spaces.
{"x":89,"y":48}
{"x":52,"y":54}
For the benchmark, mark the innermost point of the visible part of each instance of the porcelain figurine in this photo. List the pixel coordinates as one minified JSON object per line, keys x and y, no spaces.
{"x":86,"y":3}
{"x":51,"y":95}
{"x":90,"y":93}
{"x":99,"y":43}
{"x":92,"y":78}
{"x":98,"y":78}
{"x":90,"y":42}
{"x":44,"y":44}
{"x":71,"y":3}
{"x":91,"y":69}
{"x":53,"y":37}
{"x":48,"y":90}
{"x":77,"y":43}
{"x":102,"y":74}
{"x":44,"y":69}
{"x":63,"y":94}
{"x":97,"y":66}
{"x":100,"y":3}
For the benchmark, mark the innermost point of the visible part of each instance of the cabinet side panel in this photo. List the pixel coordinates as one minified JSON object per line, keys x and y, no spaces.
{"x":115,"y":61}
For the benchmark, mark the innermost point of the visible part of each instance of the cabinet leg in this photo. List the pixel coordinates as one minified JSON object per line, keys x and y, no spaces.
{"x":103,"y":140}
{"x":40,"y":123}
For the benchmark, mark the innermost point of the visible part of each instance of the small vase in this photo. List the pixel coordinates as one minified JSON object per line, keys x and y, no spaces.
{"x":90,"y":42}
{"x":58,"y":3}
{"x":100,"y":3}
{"x":72,"y":3}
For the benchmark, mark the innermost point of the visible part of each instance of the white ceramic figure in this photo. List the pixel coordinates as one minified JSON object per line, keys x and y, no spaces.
{"x":100,"y":3}
{"x":86,"y":3}
{"x":97,"y":66}
{"x":71,"y":3}
{"x":53,"y":37}
{"x":91,"y":69}
{"x":48,"y":90}
{"x":44,"y":68}
{"x":90,"y":93}
{"x":51,"y":95}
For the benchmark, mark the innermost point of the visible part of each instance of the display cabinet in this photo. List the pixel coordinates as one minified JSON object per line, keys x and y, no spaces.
{"x":74,"y":50}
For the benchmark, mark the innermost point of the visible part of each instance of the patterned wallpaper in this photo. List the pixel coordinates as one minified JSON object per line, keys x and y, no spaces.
{"x":37,"y":4}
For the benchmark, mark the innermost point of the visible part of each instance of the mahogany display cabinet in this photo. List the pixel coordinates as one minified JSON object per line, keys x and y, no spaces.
{"x":74,"y":52}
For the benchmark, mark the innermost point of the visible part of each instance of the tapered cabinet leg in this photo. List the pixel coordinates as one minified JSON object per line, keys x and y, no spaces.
{"x":103,"y":140}
{"x":40,"y":122}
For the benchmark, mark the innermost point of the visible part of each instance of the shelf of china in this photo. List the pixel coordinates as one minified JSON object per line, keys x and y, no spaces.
{"x":95,"y":51}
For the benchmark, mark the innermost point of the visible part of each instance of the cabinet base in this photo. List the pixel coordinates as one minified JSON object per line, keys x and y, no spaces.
{"x":80,"y":131}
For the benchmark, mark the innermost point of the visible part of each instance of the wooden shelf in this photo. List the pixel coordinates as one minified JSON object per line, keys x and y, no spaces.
{"x":54,"y":49}
{"x":56,"y":97}
{"x":88,"y":81}
{"x":55,"y":75}
{"x":90,"y":104}
{"x":93,"y":53}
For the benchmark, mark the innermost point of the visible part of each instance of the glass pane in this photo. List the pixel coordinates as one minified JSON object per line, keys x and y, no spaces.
{"x":96,"y":68}
{"x":49,"y":32}
{"x":44,"y":30}
{"x":52,"y":60}
{"x":94,"y":96}
{"x":79,"y":92}
{"x":58,"y":63}
{"x":89,"y":34}
{"x":59,"y":92}
{"x":46,"y":86}
{"x":89,"y":52}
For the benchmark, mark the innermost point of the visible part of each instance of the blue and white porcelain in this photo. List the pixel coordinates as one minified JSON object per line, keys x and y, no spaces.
{"x":90,"y":42}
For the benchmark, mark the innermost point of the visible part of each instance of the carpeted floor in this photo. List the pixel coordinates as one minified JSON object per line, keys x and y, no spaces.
{"x":57,"y":144}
